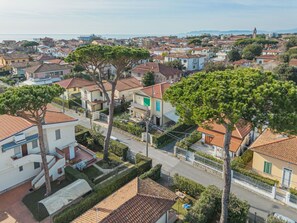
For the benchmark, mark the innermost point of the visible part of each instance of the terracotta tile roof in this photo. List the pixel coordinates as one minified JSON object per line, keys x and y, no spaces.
{"x":44,"y":57}
{"x":138,"y":201}
{"x":128,"y":84}
{"x":156,"y":68}
{"x":293,"y":62}
{"x":96,"y":87}
{"x":242,"y":61}
{"x":55,"y":61}
{"x":218,"y":131}
{"x":74,"y":82}
{"x":46,"y":68}
{"x":11,"y":125}
{"x":13,"y":56}
{"x":268,"y":137}
{"x":156,"y":90}
{"x":267,"y":57}
{"x":276,"y":146}
{"x":186,"y":56}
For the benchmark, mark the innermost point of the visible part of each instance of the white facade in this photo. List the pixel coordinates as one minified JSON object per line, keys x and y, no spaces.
{"x":93,"y":100}
{"x":190,"y":63}
{"x":20,"y":160}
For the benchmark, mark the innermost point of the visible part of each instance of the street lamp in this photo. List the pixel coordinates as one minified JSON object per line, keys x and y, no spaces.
{"x":147,"y":120}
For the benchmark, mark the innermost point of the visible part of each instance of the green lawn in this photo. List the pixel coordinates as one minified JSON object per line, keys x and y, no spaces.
{"x":92,"y":172}
{"x":31,"y":200}
{"x":114,"y":161}
{"x":178,"y":207}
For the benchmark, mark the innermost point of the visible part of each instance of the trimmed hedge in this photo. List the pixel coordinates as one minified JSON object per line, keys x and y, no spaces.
{"x":195,"y":136}
{"x":119,"y":149}
{"x":68,"y":103}
{"x":189,"y":186}
{"x":73,"y":174}
{"x":143,"y":163}
{"x":154,"y":173}
{"x":101,"y":191}
{"x":60,"y":101}
{"x":208,"y":208}
{"x":243,"y":160}
{"x":170,"y":135}
{"x":272,"y":219}
{"x":130,"y":127}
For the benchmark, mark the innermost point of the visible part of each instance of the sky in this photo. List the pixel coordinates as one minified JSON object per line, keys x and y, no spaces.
{"x":143,"y":16}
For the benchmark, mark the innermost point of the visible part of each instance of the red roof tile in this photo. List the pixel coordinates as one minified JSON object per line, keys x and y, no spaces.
{"x":156,"y":68}
{"x":157,"y":90}
{"x":74,"y":82}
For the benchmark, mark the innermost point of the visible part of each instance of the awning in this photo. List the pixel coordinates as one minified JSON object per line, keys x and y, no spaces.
{"x":172,"y":116}
{"x":65,"y":196}
{"x":13,"y":144}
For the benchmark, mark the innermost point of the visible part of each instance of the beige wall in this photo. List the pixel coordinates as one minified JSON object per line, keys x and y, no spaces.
{"x":276,"y":169}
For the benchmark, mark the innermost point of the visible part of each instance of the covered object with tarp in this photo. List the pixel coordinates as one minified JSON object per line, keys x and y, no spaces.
{"x":65,"y":196}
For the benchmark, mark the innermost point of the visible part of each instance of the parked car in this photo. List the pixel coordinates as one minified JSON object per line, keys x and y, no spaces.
{"x":114,"y":138}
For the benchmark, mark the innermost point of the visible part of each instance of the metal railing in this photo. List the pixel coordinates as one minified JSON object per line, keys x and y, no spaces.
{"x":209,"y":162}
{"x":293,"y":198}
{"x":256,"y":183}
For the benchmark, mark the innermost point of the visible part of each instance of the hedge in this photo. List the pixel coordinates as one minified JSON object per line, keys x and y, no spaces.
{"x":195,"y":136}
{"x":73,"y":174}
{"x":154,"y":173}
{"x":82,"y":136}
{"x":208,"y":208}
{"x":119,"y":149}
{"x":189,"y":186}
{"x":210,"y":157}
{"x":143,"y":163}
{"x":130,"y":127}
{"x":170,"y":135}
{"x":60,"y":101}
{"x":272,"y":219}
{"x":101,"y":191}
{"x":243,"y":160}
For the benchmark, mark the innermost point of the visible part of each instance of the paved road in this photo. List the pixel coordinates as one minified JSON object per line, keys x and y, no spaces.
{"x":172,"y":165}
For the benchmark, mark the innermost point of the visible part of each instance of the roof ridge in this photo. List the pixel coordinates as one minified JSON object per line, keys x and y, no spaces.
{"x":279,"y":141}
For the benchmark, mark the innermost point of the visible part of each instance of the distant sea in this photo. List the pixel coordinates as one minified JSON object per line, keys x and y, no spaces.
{"x":30,"y":37}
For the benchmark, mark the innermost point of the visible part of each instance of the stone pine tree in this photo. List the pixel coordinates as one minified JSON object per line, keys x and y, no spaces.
{"x":229,"y":97}
{"x":148,"y":79}
{"x":30,"y":103}
{"x":98,"y":62}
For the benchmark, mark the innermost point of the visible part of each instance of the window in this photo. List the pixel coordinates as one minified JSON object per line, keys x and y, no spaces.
{"x":74,"y":89}
{"x":185,"y":61}
{"x":267,"y":167}
{"x":34,"y":144}
{"x":158,"y":106}
{"x":21,"y":168}
{"x":17,"y":151}
{"x":58,"y":134}
{"x":36,"y":165}
{"x":60,"y":171}
{"x":146,"y":102}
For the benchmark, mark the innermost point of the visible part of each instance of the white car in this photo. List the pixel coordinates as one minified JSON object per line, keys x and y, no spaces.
{"x":114,"y":138}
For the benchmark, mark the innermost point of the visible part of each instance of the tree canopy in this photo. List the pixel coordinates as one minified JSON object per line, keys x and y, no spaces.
{"x":234,"y":55}
{"x":261,"y":41}
{"x":195,"y":41}
{"x":233,"y":95}
{"x":148,"y":79}
{"x":211,"y":67}
{"x":251,"y":51}
{"x":177,"y":64}
{"x":30,"y":44}
{"x":286,"y":72}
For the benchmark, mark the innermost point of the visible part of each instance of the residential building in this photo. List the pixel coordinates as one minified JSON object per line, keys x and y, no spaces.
{"x":213,"y":136}
{"x":150,"y":100}
{"x":265,"y":59}
{"x":10,"y":58}
{"x":19,"y":68}
{"x":20,"y":158}
{"x":45,"y":74}
{"x":138,"y":201}
{"x":204,"y":51}
{"x":242,"y":63}
{"x":275,"y":157}
{"x":274,"y":52}
{"x":73,"y":87}
{"x":190,"y":62}
{"x":93,"y":98}
{"x":162,"y":73}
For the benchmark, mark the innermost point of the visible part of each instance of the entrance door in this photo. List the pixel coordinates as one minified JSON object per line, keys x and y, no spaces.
{"x":287,"y":177}
{"x":157,"y":121}
{"x":24,"y":150}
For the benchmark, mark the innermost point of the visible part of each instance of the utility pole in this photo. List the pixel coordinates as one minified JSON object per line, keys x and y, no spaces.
{"x":147,"y":137}
{"x":63,"y":103}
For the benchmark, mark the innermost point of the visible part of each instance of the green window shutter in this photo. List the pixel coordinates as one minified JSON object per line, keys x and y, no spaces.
{"x":267,"y":167}
{"x":146,"y":102}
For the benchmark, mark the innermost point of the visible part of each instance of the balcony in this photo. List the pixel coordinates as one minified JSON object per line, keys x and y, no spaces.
{"x":139,"y":106}
{"x":20,"y":160}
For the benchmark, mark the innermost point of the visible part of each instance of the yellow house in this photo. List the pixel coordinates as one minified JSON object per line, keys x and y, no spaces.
{"x":9,"y":59}
{"x":275,"y":157}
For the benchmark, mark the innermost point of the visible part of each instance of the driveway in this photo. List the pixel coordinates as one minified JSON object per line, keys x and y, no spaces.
{"x":12,"y":209}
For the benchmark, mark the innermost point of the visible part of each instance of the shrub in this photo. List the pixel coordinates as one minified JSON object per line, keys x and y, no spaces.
{"x":190,"y":140}
{"x":210,"y":157}
{"x":130,"y":127}
{"x":101,"y":191}
{"x":82,"y":137}
{"x":143,"y":163}
{"x":243,"y":160}
{"x":171,"y":134}
{"x":189,"y":186}
{"x":272,"y":219}
{"x":208,"y":207}
{"x":119,"y":149}
{"x":123,"y":107}
{"x":73,"y":174}
{"x":60,"y":101}
{"x":293,"y":191}
{"x":154,"y":173}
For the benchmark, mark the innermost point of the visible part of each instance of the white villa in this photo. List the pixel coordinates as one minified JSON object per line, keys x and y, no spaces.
{"x":20,"y":159}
